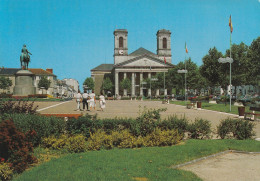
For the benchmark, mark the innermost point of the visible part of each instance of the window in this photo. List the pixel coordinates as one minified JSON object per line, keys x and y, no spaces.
{"x":164,"y":43}
{"x":121,"y":42}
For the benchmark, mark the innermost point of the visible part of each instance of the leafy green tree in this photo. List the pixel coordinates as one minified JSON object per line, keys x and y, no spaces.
{"x":44,"y":82}
{"x":212,"y":70}
{"x":253,"y":63}
{"x":239,"y":67}
{"x":125,"y":84}
{"x":5,"y":83}
{"x":89,"y":83}
{"x":107,"y":85}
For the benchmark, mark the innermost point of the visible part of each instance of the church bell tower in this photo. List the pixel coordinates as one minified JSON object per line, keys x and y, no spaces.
{"x":120,"y":45}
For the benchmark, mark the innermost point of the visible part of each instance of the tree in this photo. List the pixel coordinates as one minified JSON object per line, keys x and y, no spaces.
{"x":212,"y":70}
{"x":239,"y":67}
{"x":89,"y":83}
{"x":107,"y":85}
{"x":5,"y":83}
{"x":253,"y":63}
{"x":44,"y":82}
{"x":125,"y":84}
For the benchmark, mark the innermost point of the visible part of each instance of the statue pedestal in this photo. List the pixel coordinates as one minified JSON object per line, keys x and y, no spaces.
{"x":24,"y":83}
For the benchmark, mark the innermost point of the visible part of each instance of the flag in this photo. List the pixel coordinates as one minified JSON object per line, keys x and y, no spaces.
{"x":230,"y":24}
{"x":164,"y":60}
{"x":186,"y":49}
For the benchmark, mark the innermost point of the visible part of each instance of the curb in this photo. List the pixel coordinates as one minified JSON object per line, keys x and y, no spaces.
{"x":211,"y":156}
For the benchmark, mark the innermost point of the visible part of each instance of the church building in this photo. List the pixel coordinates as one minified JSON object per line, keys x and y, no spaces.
{"x":137,"y":66}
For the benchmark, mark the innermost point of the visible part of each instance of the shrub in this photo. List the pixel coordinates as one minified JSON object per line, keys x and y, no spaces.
{"x":83,"y":125}
{"x":11,"y":107}
{"x":199,"y":129}
{"x":99,"y":139}
{"x":6,"y":173}
{"x":225,"y":128}
{"x":173,"y":122}
{"x":44,"y":126}
{"x":162,"y":138}
{"x":15,"y":147}
{"x":73,"y":144}
{"x":236,"y":128}
{"x":146,"y":122}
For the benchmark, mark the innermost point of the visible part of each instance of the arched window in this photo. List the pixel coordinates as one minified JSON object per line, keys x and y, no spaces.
{"x":121,"y":42}
{"x":164,"y":43}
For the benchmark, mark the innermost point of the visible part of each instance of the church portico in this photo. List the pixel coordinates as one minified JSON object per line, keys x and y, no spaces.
{"x":136,"y":76}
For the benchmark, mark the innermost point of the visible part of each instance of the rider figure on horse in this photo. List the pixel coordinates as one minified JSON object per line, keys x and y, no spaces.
{"x":25,"y":57}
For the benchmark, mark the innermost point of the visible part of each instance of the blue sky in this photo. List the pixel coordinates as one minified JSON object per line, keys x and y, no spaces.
{"x":74,"y":36}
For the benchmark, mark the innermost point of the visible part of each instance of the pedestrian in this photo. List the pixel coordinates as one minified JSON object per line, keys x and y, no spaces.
{"x":92,"y":100}
{"x":85,"y":100}
{"x":102,"y":102}
{"x":78,"y":100}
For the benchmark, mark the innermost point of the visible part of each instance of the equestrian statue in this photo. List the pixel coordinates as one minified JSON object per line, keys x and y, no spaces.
{"x":25,"y":57}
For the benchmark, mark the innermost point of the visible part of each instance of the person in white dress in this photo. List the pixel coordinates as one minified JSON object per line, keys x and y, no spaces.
{"x":92,"y":100}
{"x":102,"y":102}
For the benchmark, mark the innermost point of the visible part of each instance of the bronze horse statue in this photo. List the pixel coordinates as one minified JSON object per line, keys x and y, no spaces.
{"x":25,"y":58}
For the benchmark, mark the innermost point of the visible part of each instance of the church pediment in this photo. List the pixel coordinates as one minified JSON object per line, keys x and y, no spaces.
{"x":144,"y":61}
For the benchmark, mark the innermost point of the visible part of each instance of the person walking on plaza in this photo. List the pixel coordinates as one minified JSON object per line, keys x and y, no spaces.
{"x":92,"y":100}
{"x":102,"y":102}
{"x":78,"y":100}
{"x":85,"y":99}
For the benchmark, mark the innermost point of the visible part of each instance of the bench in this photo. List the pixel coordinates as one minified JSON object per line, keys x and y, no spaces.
{"x":191,"y":105}
{"x":63,"y":115}
{"x":110,"y":98}
{"x":253,"y":115}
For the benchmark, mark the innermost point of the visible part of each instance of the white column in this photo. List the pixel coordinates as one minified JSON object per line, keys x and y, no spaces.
{"x":116,"y":84}
{"x":133,"y":84}
{"x":149,"y":90}
{"x":125,"y":90}
{"x":141,"y":85}
{"x":157,"y":92}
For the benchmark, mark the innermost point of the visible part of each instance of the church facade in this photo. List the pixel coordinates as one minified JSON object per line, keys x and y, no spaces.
{"x":136,"y":66}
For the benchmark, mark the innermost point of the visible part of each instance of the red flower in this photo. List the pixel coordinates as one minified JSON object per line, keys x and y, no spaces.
{"x":2,"y":160}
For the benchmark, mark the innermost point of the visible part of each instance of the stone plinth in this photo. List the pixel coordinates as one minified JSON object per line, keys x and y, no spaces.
{"x":24,"y":83}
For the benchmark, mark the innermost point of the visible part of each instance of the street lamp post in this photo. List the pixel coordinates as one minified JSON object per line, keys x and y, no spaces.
{"x":184,"y":72}
{"x":228,"y":60}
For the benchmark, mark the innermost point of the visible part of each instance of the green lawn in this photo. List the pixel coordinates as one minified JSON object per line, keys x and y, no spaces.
{"x":214,"y":107}
{"x":125,"y":164}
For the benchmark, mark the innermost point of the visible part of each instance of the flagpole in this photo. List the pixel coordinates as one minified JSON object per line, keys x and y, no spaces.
{"x":230,"y":73}
{"x":164,"y":79}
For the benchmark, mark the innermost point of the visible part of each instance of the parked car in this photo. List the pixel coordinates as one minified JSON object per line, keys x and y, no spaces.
{"x":191,"y":97}
{"x":180,"y":97}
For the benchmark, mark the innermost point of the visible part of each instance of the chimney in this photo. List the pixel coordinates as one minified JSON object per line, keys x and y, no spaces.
{"x":49,"y":70}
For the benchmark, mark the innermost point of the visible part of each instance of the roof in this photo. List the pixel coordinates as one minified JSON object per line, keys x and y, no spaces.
{"x":142,"y":56}
{"x":142,"y":51}
{"x":13,"y":71}
{"x":40,"y":72}
{"x":103,"y":67}
{"x":9,"y":71}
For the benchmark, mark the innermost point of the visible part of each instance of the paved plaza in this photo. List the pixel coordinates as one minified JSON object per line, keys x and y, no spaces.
{"x":128,"y":108}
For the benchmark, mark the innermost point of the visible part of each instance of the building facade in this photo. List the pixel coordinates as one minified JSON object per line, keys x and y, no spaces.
{"x":38,"y":74}
{"x":137,"y":66}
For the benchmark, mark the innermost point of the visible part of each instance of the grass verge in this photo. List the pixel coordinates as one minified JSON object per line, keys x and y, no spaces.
{"x":132,"y":164}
